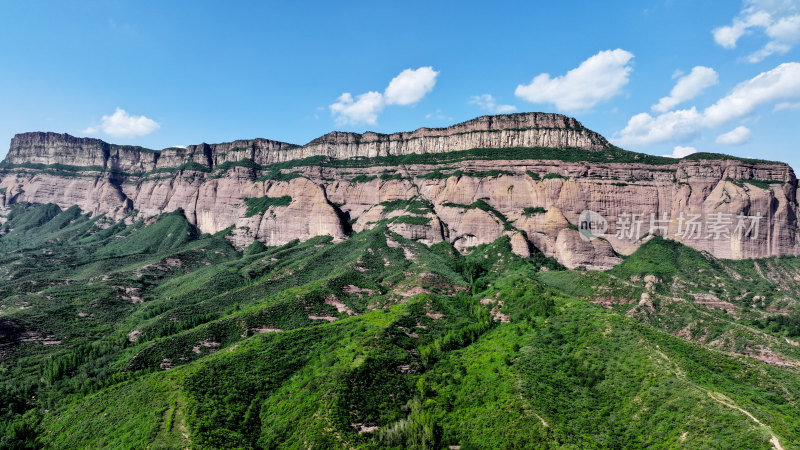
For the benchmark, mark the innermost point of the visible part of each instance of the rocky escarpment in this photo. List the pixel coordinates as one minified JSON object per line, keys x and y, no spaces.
{"x":88,"y":153}
{"x":513,"y":130}
{"x":729,"y":207}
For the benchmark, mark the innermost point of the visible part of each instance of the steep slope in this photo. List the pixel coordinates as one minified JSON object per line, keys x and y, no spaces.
{"x":529,"y":176}
{"x":151,"y":334}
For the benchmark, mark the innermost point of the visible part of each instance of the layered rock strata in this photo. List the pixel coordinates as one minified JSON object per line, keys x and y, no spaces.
{"x":513,"y":130}
{"x":730,"y":208}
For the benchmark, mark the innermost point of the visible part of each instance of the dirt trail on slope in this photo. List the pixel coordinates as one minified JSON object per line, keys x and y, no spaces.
{"x":774,"y":440}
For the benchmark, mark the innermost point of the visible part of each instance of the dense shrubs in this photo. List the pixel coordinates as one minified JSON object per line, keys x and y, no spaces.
{"x":260,"y":205}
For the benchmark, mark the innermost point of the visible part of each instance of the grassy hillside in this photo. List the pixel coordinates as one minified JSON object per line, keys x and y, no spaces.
{"x":116,"y":335}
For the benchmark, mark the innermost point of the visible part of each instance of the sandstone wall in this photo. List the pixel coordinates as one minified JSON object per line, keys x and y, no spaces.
{"x":326,"y":200}
{"x":513,"y":130}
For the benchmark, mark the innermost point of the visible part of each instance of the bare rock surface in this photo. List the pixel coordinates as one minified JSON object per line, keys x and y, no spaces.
{"x":537,"y":203}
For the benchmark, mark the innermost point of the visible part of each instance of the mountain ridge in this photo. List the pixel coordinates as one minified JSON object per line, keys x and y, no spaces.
{"x":152,"y":334}
{"x":535,"y":194}
{"x":414,"y":300}
{"x":521,"y":130}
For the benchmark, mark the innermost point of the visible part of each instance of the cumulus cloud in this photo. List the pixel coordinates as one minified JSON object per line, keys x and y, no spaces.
{"x":410,"y":86}
{"x":688,"y":87}
{"x":778,"y":20}
{"x":644,"y":129}
{"x":487,"y":103}
{"x":122,"y":124}
{"x":779,"y":84}
{"x":364,"y":109}
{"x":729,"y":35}
{"x":681,"y":152}
{"x":407,"y":88}
{"x":599,"y":78}
{"x":770,"y":48}
{"x":736,"y":136}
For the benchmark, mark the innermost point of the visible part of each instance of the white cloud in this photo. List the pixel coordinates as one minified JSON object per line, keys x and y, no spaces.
{"x":786,"y":29}
{"x":787,"y":105}
{"x":599,"y":78}
{"x":770,"y":48}
{"x":365,"y":109}
{"x":780,"y":83}
{"x":410,"y":86}
{"x":681,"y":152}
{"x":487,"y":103}
{"x":438,"y":115}
{"x":779,"y":20}
{"x":751,"y":17}
{"x":736,"y":136}
{"x":644,"y":129}
{"x":407,"y":88}
{"x":122,"y":124}
{"x":688,"y":87}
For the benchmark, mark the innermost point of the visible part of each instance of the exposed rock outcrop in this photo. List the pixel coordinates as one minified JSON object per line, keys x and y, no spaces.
{"x":513,"y":130}
{"x":467,"y":202}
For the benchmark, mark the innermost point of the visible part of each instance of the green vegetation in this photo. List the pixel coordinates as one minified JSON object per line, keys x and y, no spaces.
{"x":663,"y":258}
{"x":391,"y":176}
{"x":362,"y":179}
{"x":152,"y":334}
{"x":534,"y":176}
{"x":482,"y":205}
{"x":62,"y":169}
{"x":533,"y":210}
{"x":169,"y":233}
{"x":718,"y":156}
{"x":412,"y":220}
{"x":438,"y":175}
{"x":555,"y":176}
{"x":261,"y":204}
{"x":414,"y":205}
{"x":761,"y":184}
{"x":788,"y":325}
{"x":277,"y":175}
{"x":486,"y":173}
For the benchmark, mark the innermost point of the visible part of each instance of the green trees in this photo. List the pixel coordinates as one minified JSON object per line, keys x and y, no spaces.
{"x":129,"y":336}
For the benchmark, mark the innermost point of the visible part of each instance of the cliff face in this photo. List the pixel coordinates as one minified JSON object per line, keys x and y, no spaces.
{"x":514,"y":130}
{"x":745,"y":209}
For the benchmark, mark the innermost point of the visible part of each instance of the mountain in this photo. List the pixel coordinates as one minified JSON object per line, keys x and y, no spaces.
{"x":529,"y":176}
{"x":414,"y":290}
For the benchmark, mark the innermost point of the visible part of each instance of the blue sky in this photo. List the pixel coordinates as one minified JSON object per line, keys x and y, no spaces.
{"x":657,"y":77}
